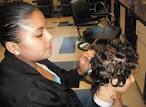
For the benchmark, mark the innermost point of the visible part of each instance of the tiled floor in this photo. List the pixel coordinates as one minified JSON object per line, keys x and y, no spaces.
{"x":69,"y":59}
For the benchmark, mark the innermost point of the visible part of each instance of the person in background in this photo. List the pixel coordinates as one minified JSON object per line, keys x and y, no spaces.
{"x":27,"y":77}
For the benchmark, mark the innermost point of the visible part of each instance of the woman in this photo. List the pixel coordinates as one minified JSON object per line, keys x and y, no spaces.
{"x":27,"y":77}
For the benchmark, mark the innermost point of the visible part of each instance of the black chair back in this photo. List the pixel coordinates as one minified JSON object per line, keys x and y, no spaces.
{"x":43,"y":2}
{"x":83,"y":16}
{"x":65,"y":7}
{"x":80,"y":11}
{"x":46,"y":6}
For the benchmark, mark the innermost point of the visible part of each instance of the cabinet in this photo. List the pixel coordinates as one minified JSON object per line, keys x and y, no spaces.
{"x":141,"y":50}
{"x":132,"y":18}
{"x":122,"y":19}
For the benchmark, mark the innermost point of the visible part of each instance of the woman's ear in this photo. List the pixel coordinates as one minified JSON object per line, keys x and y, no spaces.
{"x":13,"y":48}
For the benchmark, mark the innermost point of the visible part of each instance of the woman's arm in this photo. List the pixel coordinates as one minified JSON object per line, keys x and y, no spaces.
{"x":72,"y":77}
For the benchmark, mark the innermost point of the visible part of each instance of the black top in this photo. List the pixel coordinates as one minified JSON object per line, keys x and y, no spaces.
{"x":22,"y":86}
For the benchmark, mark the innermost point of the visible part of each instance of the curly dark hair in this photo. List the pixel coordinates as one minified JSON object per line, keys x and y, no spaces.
{"x":112,"y":62}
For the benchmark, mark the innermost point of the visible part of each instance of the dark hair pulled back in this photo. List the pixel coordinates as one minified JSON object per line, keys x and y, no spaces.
{"x":11,"y":14}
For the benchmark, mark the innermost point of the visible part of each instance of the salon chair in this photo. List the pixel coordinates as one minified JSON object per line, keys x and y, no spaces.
{"x":84,"y":12}
{"x":65,"y":7}
{"x":46,"y":6}
{"x":85,"y":15}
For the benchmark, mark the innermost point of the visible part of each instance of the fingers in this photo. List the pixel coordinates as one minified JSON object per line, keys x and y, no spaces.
{"x":117,"y":102}
{"x":132,"y":78}
{"x":89,"y":54}
{"x":106,"y":93}
{"x":127,"y":85}
{"x":84,"y":64}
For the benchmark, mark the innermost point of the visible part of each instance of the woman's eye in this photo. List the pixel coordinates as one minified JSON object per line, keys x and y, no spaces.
{"x":40,"y":35}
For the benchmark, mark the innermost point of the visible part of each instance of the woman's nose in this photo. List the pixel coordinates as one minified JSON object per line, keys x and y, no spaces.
{"x":48,"y":36}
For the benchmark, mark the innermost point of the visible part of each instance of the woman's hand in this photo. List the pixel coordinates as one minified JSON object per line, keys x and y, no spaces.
{"x":84,"y":62}
{"x":117,"y":101}
{"x":127,"y":85}
{"x":108,"y":93}
{"x":120,"y":90}
{"x":106,"y":96}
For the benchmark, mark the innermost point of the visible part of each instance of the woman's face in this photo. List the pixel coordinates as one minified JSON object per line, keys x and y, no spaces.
{"x":35,"y":41}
